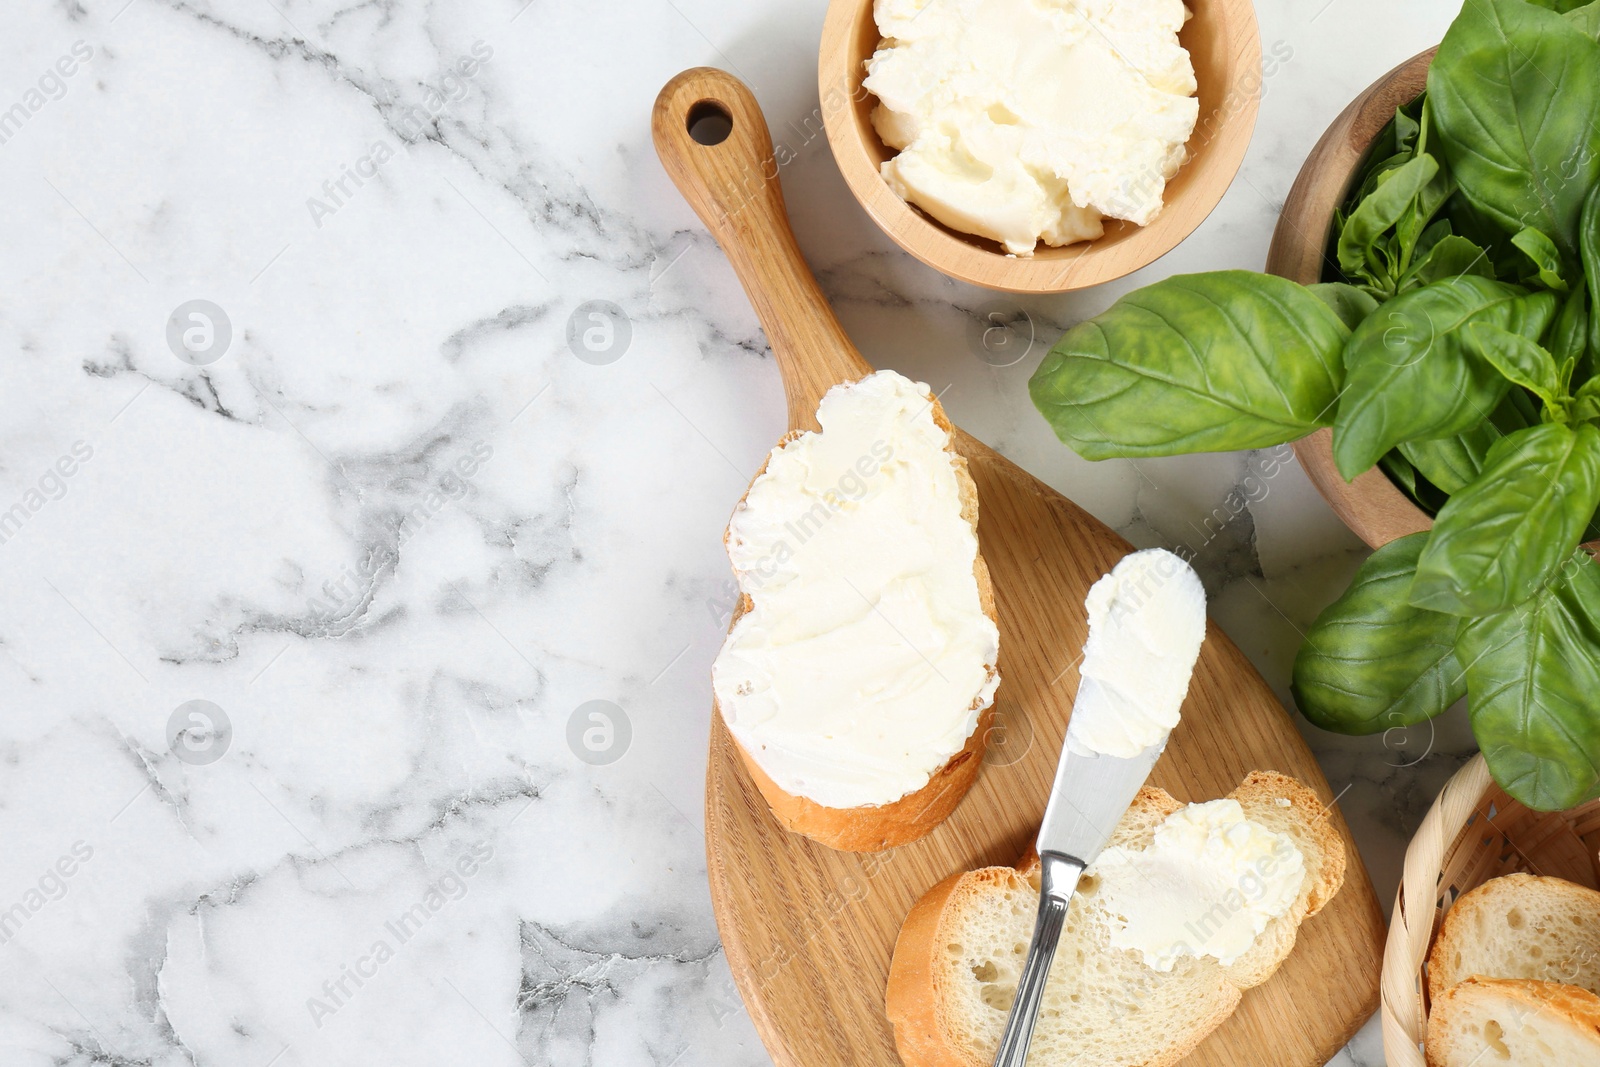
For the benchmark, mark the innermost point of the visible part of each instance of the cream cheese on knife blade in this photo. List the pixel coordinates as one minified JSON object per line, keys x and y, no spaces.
{"x":1210,"y":880}
{"x":1147,"y":620}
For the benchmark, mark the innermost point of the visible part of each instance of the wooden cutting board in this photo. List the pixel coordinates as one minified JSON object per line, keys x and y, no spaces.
{"x":809,"y":931}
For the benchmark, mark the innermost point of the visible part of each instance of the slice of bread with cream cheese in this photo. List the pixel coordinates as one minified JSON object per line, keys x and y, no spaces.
{"x":858,"y":676}
{"x":1189,"y":906}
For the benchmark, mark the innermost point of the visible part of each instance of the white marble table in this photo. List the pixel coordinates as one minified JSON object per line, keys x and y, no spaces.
{"x":396,"y":536}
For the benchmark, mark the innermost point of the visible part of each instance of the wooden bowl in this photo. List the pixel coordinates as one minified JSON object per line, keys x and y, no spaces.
{"x":1474,"y":832}
{"x":1372,"y":506}
{"x":1223,"y":42}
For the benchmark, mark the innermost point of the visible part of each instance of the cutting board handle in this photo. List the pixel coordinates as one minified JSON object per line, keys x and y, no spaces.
{"x":733,"y":186}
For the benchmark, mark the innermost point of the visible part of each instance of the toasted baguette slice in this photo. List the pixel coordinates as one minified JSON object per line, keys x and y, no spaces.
{"x":1519,"y":926}
{"x":875,"y":827}
{"x":1514,"y":1022}
{"x":960,"y":952}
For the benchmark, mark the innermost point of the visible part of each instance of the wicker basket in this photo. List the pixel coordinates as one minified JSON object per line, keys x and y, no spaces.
{"x":1473,"y":832}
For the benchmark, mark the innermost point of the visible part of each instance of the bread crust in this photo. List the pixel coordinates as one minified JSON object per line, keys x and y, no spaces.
{"x":1331,"y":849}
{"x":1563,"y":1005}
{"x":1456,"y":929}
{"x":919,"y":1030}
{"x":876,"y":827}
{"x":915,"y":1000}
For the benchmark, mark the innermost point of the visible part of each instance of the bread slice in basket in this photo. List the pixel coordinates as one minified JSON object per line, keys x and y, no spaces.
{"x":960,"y":951}
{"x":942,"y":780}
{"x":1514,"y":1022}
{"x":1519,"y":926}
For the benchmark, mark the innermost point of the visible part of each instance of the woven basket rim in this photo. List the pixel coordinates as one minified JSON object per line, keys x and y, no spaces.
{"x":1403,"y":1008}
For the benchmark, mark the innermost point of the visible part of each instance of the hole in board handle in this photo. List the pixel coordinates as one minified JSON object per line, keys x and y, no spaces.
{"x":709,"y":123}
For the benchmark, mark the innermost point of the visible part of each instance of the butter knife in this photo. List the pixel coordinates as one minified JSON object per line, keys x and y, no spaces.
{"x":1090,"y":795}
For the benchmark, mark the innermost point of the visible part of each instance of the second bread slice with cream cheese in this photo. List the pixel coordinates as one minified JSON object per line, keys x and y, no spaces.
{"x":859,"y":673}
{"x":960,"y":951}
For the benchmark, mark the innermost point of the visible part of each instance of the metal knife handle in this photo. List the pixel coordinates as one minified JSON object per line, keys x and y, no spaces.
{"x":1058,"y":877}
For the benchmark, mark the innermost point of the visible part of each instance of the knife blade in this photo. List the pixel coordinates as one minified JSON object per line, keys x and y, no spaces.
{"x":1146,"y":626}
{"x":1090,"y":795}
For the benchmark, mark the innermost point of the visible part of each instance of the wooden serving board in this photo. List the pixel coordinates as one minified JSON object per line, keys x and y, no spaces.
{"x":809,"y":931}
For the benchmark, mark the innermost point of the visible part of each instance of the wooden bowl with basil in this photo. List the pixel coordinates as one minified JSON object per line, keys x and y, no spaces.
{"x":1374,"y":508}
{"x":1430,"y":341}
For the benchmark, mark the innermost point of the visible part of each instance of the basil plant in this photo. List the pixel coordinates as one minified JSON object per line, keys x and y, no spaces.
{"x":1454,"y":342}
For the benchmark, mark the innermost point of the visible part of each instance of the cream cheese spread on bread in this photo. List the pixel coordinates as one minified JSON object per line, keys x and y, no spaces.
{"x":1207,"y":885}
{"x":1147,"y":620}
{"x":1029,"y":120}
{"x":865,"y":658}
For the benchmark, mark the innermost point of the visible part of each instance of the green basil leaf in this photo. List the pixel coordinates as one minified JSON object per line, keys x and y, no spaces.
{"x":1545,"y":255}
{"x":1396,"y":192}
{"x":1569,"y":336}
{"x":1532,"y":676}
{"x":1436,"y":231}
{"x":1452,"y":463}
{"x":1586,"y":405}
{"x":1589,"y":244}
{"x":1195,"y":363}
{"x":1562,"y":6}
{"x":1405,"y":131}
{"x":1472,"y":223}
{"x":1416,"y":218}
{"x":1502,"y":537}
{"x":1586,"y":18}
{"x":1519,"y":360}
{"x":1409,"y":372}
{"x":1374,"y":662}
{"x":1449,"y":257}
{"x":1347,"y":301}
{"x":1377,"y":168}
{"x":1400,"y":471}
{"x":1515,"y":93}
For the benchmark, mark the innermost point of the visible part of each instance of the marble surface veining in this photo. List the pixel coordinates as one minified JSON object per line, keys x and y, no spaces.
{"x":319,"y":542}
